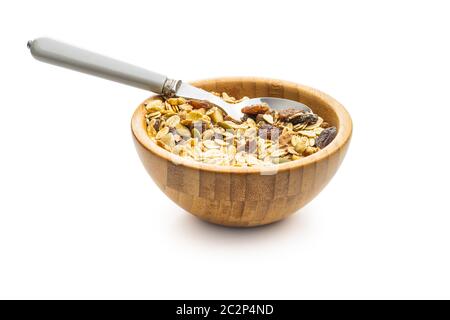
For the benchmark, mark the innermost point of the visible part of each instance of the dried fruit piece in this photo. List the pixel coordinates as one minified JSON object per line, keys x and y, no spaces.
{"x":285,"y":114}
{"x":255,"y":109}
{"x":156,"y":124}
{"x":303,"y":118}
{"x":259,"y":118}
{"x":326,"y":137}
{"x":198,"y":104}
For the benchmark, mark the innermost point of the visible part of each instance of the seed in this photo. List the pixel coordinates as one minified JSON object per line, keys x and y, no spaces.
{"x":300,"y":147}
{"x":295,"y":140}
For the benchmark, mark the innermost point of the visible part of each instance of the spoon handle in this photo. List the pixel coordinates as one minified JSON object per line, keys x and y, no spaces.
{"x":67,"y":56}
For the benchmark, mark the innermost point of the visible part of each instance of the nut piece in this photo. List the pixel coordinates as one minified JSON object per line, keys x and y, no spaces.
{"x":255,"y":109}
{"x":198,"y":104}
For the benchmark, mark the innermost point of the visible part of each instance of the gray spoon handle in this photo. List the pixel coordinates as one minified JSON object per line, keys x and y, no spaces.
{"x":67,"y":56}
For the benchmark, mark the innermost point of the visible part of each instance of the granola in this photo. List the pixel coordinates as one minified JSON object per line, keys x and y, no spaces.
{"x":200,"y":131}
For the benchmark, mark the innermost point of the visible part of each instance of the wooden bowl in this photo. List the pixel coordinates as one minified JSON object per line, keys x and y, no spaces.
{"x":246,"y":197}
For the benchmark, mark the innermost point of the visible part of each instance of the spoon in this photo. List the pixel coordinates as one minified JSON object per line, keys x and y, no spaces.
{"x":67,"y":56}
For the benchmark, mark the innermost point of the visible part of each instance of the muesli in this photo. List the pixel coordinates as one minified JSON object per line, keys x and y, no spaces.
{"x":200,"y":131}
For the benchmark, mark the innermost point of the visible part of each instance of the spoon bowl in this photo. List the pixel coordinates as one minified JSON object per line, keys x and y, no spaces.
{"x":234,"y":109}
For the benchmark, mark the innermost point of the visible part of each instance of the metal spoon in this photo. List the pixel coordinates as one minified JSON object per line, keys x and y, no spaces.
{"x":64,"y":55}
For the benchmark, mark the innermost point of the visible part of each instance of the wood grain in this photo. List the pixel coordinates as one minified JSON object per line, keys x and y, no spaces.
{"x":246,"y":197}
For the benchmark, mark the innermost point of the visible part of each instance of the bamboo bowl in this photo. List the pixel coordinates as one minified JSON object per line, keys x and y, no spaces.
{"x":246,"y":197}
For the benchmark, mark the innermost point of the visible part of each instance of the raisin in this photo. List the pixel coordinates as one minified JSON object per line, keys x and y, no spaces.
{"x":198,"y":104}
{"x":326,"y":137}
{"x":255,"y":109}
{"x":248,"y":116}
{"x":302,"y":118}
{"x":285,"y":114}
{"x":259,"y":117}
{"x":267,"y":131}
{"x":157,"y":124}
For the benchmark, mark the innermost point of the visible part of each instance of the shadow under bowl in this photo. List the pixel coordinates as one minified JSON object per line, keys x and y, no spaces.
{"x":246,"y":197}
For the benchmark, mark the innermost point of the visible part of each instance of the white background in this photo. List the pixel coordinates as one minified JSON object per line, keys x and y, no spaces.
{"x":80,"y":217}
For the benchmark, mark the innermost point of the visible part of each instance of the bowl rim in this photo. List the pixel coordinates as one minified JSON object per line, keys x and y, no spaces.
{"x":138,"y":128}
